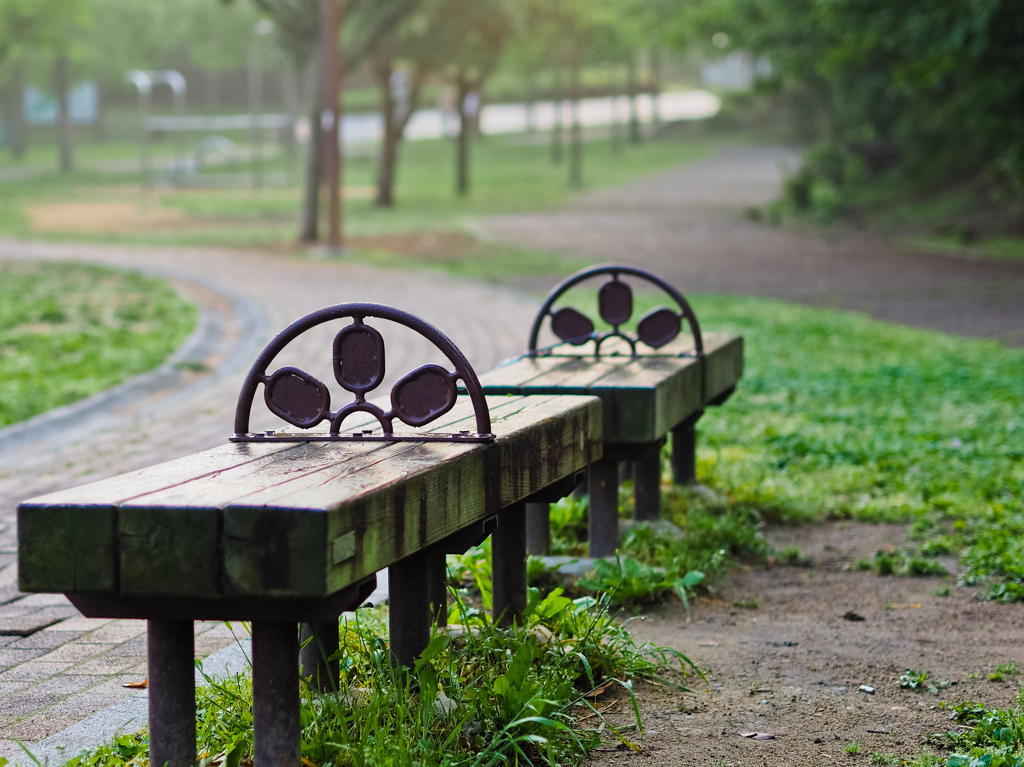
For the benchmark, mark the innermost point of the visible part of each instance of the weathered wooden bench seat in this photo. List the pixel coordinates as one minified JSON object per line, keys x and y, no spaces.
{"x":652,"y":384}
{"x":279,"y":528}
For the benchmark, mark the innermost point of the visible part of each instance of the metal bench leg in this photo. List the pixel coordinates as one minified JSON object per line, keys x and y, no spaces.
{"x":538,"y":529}
{"x":603,"y":482}
{"x":172,"y":693}
{"x":410,"y":608}
{"x":647,"y":484}
{"x":275,"y":695}
{"x":437,"y":585}
{"x":508,"y":566}
{"x":684,"y":451}
{"x":318,"y":642}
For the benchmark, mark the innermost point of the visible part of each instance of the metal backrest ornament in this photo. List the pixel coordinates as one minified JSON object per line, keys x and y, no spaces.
{"x":417,"y":399}
{"x":656,"y":329}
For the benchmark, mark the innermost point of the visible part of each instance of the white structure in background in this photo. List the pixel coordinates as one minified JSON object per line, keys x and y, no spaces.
{"x":83,"y":105}
{"x":495,"y":119}
{"x":739,"y":70}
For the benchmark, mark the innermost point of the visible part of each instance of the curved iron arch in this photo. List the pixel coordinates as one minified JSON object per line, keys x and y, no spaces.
{"x":319,"y":410}
{"x":685,"y":310}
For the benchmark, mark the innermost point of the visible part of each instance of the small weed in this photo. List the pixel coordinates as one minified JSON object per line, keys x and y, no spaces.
{"x":921,"y":567}
{"x":972,"y":676}
{"x":1008,"y":669}
{"x":878,"y":758}
{"x":943,"y":592}
{"x":911,"y":679}
{"x":863,"y":564}
{"x":852,"y":748}
{"x":995,"y":676}
{"x":886,"y":564}
{"x":791,"y":556}
{"x":750,"y":603}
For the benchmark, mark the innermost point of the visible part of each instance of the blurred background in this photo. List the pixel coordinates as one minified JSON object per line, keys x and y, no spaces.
{"x":203,"y":122}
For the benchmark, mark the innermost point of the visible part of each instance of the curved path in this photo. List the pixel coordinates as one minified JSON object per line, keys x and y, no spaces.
{"x":57,"y":675}
{"x":686,"y":224}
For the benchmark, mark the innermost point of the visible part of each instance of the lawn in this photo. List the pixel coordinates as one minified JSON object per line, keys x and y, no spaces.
{"x":70,"y":330}
{"x":508,"y":174}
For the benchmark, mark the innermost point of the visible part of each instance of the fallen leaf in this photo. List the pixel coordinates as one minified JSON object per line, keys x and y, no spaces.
{"x":764,"y":736}
{"x":908,"y":606}
{"x":599,"y":690}
{"x":747,"y":734}
{"x":137,"y":685}
{"x":852,"y":616}
{"x":878,"y":731}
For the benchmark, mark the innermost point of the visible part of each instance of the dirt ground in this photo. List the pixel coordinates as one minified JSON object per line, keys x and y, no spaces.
{"x":793,"y":667}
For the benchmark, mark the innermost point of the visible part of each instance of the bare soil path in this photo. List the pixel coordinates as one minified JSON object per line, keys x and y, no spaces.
{"x":687,"y":225}
{"x":793,"y":667}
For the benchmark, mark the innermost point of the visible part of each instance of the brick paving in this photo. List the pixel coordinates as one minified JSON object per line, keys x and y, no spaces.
{"x":57,"y":667}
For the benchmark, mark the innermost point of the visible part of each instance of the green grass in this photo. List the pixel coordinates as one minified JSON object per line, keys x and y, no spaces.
{"x":478,"y":695}
{"x":70,"y":330}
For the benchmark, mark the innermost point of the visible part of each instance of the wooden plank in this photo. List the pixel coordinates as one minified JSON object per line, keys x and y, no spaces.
{"x":724,"y":367}
{"x":169,"y":552}
{"x":124,"y":487}
{"x":647,"y":397}
{"x":416,"y":506}
{"x":508,"y":379}
{"x":63,"y":549}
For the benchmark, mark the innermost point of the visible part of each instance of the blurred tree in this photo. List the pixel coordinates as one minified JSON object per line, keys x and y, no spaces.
{"x":938,"y":84}
{"x":40,"y":25}
{"x":298,"y":26}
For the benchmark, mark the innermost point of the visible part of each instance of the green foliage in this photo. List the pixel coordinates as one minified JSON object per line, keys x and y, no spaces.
{"x":629,"y":582}
{"x":69,"y":330}
{"x":791,"y":555}
{"x":477,"y":695}
{"x":936,"y":86}
{"x":995,"y":738}
{"x":852,"y":748}
{"x":750,"y":603}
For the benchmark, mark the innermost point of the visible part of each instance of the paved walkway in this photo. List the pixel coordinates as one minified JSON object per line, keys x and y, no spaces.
{"x":686,"y":225}
{"x":57,"y":667}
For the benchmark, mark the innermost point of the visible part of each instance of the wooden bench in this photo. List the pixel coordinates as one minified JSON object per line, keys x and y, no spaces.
{"x":651,"y":383}
{"x":288,"y":527}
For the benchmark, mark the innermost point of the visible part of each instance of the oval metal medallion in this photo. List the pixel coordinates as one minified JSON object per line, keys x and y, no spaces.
{"x":297,"y":397}
{"x":423,"y":395}
{"x":359,"y":358}
{"x":615,"y":302}
{"x":659,"y":327}
{"x":572,"y":326}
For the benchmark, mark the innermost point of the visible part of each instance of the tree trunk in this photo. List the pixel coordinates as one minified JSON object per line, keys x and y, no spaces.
{"x":60,"y":81}
{"x":462,"y":146}
{"x":576,"y":133}
{"x":16,"y":123}
{"x":614,"y":134}
{"x":99,"y":128}
{"x":655,"y":85}
{"x":556,"y":128}
{"x":314,"y":163}
{"x":383,"y":69}
{"x":634,"y":116}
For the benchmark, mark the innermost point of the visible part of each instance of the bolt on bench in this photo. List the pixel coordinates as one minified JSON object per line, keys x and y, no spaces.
{"x":287,"y":527}
{"x":645,"y":395}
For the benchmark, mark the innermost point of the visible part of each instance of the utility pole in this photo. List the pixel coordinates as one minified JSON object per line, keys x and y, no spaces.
{"x":330,"y":116}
